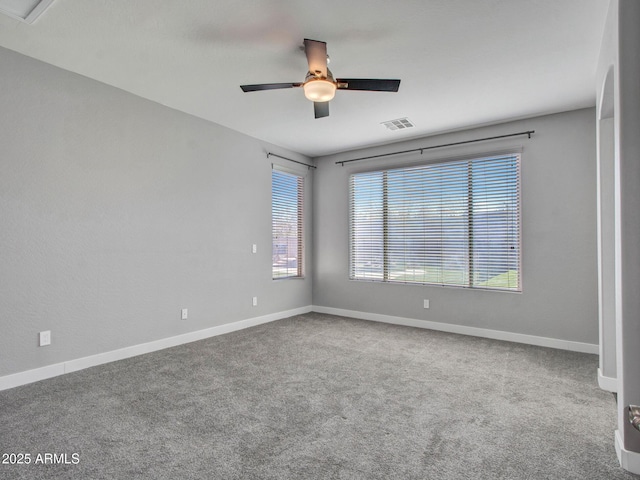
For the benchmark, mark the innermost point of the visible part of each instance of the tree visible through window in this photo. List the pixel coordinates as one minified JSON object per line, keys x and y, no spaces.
{"x":287,"y":195}
{"x":450,"y":223}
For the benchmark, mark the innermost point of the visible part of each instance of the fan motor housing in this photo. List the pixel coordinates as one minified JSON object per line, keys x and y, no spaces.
{"x":317,"y":76}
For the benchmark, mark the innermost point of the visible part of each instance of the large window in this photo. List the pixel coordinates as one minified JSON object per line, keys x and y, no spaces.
{"x":287,"y":199}
{"x":449,"y":223}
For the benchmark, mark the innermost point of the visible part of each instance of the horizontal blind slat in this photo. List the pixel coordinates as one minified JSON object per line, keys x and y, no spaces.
{"x":453,"y":223}
{"x":287,"y":199}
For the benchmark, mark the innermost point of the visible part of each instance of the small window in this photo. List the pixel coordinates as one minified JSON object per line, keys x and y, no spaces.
{"x":451,"y":223}
{"x":287,"y":200}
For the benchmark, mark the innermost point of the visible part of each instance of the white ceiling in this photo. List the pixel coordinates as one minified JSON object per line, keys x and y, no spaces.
{"x":462,"y":63}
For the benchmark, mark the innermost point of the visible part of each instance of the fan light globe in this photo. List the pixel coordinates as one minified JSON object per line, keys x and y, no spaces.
{"x":319,"y":90}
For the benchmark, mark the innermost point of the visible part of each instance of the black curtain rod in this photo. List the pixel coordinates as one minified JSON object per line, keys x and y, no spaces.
{"x":269,"y":154}
{"x":528,"y":133}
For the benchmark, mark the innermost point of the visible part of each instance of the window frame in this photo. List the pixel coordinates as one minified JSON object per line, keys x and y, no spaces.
{"x":300,"y":227}
{"x":471,"y":283}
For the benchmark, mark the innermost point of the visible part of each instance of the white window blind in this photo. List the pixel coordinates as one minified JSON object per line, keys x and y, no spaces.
{"x":287,"y":199}
{"x":451,"y":223}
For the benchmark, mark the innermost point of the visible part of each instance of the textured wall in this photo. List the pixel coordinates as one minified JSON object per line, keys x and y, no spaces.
{"x":117,"y":212}
{"x":619,"y":60}
{"x":559,"y":276}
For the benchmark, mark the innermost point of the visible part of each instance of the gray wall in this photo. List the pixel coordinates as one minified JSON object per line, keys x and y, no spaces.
{"x":116,"y":212}
{"x":559,"y":271}
{"x":619,"y":103}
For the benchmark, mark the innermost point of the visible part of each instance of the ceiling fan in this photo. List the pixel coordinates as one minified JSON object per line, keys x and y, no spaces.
{"x":320,"y":86}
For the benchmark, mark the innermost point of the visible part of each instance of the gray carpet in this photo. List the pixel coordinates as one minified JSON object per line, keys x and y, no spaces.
{"x":321,"y":397}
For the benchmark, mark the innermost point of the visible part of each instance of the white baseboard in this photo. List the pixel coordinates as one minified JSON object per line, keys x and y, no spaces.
{"x":30,"y":376}
{"x":49,"y":371}
{"x":630,"y":461}
{"x":609,"y":384}
{"x":73,"y":365}
{"x":464,"y":330}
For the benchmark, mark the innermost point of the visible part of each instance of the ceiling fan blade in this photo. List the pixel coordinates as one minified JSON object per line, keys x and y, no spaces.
{"x":371,"y":84}
{"x":268,"y":86}
{"x":316,"y":52}
{"x":321,"y":109}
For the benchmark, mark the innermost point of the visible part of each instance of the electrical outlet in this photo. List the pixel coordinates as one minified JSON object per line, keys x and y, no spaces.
{"x":254,"y":248}
{"x":184,"y":313}
{"x":255,"y":301}
{"x":426,"y":303}
{"x":45,"y":338}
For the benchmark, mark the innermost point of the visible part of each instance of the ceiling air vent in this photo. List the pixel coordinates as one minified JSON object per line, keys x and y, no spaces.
{"x":25,"y":10}
{"x":398,"y":124}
